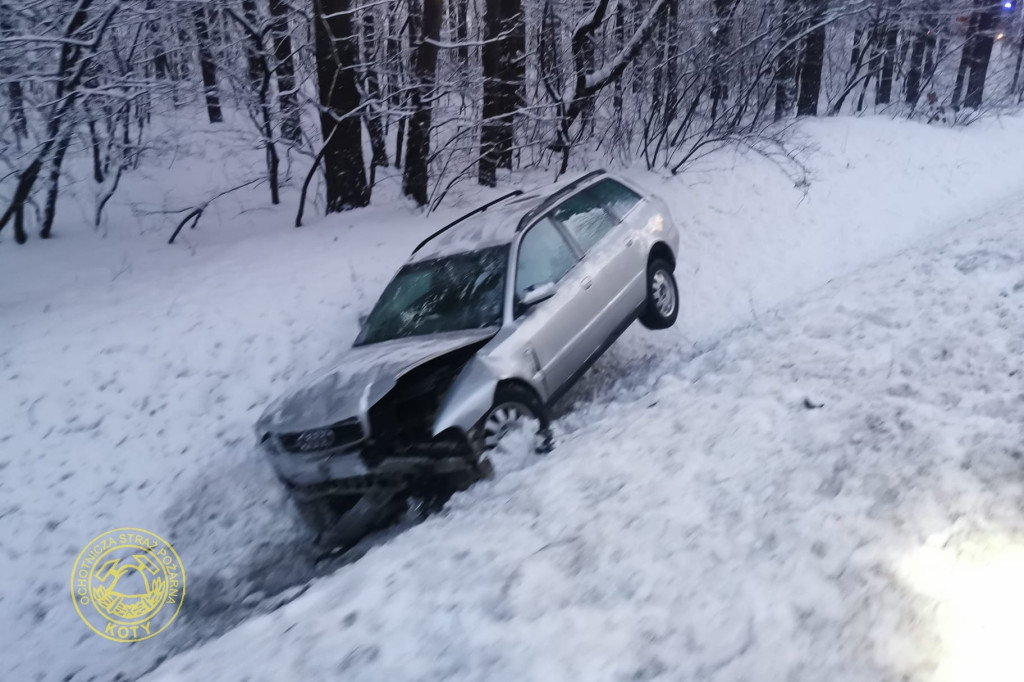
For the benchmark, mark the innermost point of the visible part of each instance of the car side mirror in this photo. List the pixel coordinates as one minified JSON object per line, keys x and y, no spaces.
{"x":539,"y":293}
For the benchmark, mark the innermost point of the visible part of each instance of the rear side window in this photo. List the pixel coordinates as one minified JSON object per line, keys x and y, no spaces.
{"x":617,"y":197}
{"x":586,"y":219}
{"x":544,"y":256}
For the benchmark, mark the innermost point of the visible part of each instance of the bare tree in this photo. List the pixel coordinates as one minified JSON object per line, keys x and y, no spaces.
{"x":207,"y":65}
{"x":424,"y":29}
{"x":337,"y":56}
{"x":811,"y":61}
{"x":291,"y":121}
{"x":504,"y":70}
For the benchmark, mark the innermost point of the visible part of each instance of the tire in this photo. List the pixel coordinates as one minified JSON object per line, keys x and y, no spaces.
{"x":662,"y":307}
{"x":510,"y":401}
{"x":323,"y":512}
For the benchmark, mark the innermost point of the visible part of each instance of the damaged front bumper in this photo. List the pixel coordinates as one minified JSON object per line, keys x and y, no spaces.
{"x":414,"y":470}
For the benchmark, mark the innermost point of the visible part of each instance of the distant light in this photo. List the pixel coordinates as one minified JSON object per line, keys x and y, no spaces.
{"x":1007,"y":5}
{"x":1000,"y":36}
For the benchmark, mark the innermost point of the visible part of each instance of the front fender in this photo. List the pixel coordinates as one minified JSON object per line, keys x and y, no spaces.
{"x":469,"y":398}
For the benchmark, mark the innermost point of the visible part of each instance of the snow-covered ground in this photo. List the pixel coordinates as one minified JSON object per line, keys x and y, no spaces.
{"x":792,"y":504}
{"x":696,"y":520}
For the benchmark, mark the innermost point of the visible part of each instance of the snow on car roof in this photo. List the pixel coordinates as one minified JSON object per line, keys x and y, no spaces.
{"x":497,"y":225}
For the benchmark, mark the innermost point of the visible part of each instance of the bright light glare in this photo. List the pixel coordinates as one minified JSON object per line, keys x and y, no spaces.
{"x":980,"y":615}
{"x":1008,"y":5}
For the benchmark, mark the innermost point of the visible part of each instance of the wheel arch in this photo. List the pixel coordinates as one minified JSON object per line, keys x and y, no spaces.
{"x":662,"y":251}
{"x":518,"y":383}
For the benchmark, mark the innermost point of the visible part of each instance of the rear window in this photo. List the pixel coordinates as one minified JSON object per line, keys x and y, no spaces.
{"x":617,"y":197}
{"x":585,"y":217}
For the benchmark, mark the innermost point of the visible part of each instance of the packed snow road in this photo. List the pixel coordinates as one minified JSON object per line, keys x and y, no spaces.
{"x":818,"y":496}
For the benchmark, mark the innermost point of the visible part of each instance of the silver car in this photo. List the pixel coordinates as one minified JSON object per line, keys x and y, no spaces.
{"x":490,"y":321}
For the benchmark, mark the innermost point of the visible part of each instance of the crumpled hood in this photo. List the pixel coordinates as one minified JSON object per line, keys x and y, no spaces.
{"x":336,"y":392}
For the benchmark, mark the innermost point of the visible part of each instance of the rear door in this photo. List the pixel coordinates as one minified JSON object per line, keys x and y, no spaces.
{"x":613,"y":264}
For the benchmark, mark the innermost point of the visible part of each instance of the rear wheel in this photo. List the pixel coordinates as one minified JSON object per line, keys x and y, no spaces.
{"x":662,"y":307}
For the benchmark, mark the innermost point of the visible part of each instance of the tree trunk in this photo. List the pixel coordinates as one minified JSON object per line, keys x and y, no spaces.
{"x":786,"y":67}
{"x":930,"y":49}
{"x":161,"y":60}
{"x":862,"y":44}
{"x":207,"y":66}
{"x":620,"y":39}
{"x":97,"y":156}
{"x":984,"y":39}
{"x":1017,"y":65}
{"x":891,"y":32}
{"x":291,"y":121}
{"x":504,"y":71}
{"x":425,"y":26}
{"x":720,"y":43}
{"x":50,"y":210}
{"x":811,"y":63}
{"x":399,"y":141}
{"x":966,"y":57}
{"x":915,"y":71}
{"x":462,"y":31}
{"x":337,"y":53}
{"x":671,"y":65}
{"x":374,"y":122}
{"x":15,"y":95}
{"x":258,"y":52}
{"x":254,"y":60}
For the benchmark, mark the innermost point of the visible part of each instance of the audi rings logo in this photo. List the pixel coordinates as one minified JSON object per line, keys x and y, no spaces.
{"x":319,"y":439}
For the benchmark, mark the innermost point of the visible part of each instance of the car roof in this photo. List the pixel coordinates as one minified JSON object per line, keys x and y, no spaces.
{"x":493,"y":227}
{"x":497,"y":223}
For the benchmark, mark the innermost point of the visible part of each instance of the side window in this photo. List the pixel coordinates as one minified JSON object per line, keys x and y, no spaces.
{"x":617,"y":197}
{"x":585,"y":218}
{"x":544,"y":256}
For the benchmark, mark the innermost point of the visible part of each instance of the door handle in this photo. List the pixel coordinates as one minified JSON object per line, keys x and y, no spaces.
{"x":587,"y":282}
{"x":629,"y":241}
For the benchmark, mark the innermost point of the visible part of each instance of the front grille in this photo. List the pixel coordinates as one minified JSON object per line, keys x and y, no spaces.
{"x":316,"y":440}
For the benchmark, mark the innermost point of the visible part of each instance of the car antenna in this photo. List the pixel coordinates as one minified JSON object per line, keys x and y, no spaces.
{"x":472,"y":213}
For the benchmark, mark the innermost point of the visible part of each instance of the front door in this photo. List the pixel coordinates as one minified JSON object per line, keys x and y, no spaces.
{"x":552,"y":331}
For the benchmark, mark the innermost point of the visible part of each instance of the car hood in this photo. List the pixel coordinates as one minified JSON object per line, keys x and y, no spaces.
{"x":361,"y":377}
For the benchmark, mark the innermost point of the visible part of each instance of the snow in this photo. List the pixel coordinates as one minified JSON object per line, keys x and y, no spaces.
{"x":695,"y":520}
{"x":715,"y":526}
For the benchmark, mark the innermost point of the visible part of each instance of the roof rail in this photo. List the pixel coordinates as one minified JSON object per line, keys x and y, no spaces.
{"x":472,"y":213}
{"x":556,"y":197}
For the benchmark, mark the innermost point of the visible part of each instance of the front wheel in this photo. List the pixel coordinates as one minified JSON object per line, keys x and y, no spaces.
{"x":514,"y":407}
{"x":662,"y":307}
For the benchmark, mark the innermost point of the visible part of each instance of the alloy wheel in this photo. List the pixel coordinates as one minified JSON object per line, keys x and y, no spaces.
{"x":664,"y":293}
{"x":502,"y":419}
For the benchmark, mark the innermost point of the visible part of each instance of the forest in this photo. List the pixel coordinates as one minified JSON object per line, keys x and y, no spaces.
{"x":339,"y":94}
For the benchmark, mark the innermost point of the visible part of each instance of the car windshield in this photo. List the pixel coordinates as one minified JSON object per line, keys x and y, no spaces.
{"x":465,"y":291}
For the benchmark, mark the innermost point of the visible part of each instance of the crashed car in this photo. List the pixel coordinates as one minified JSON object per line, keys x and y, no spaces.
{"x":491,"y":320}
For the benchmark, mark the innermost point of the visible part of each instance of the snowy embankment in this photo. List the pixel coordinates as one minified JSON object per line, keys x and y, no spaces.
{"x":682,"y":505}
{"x":831,"y":494}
